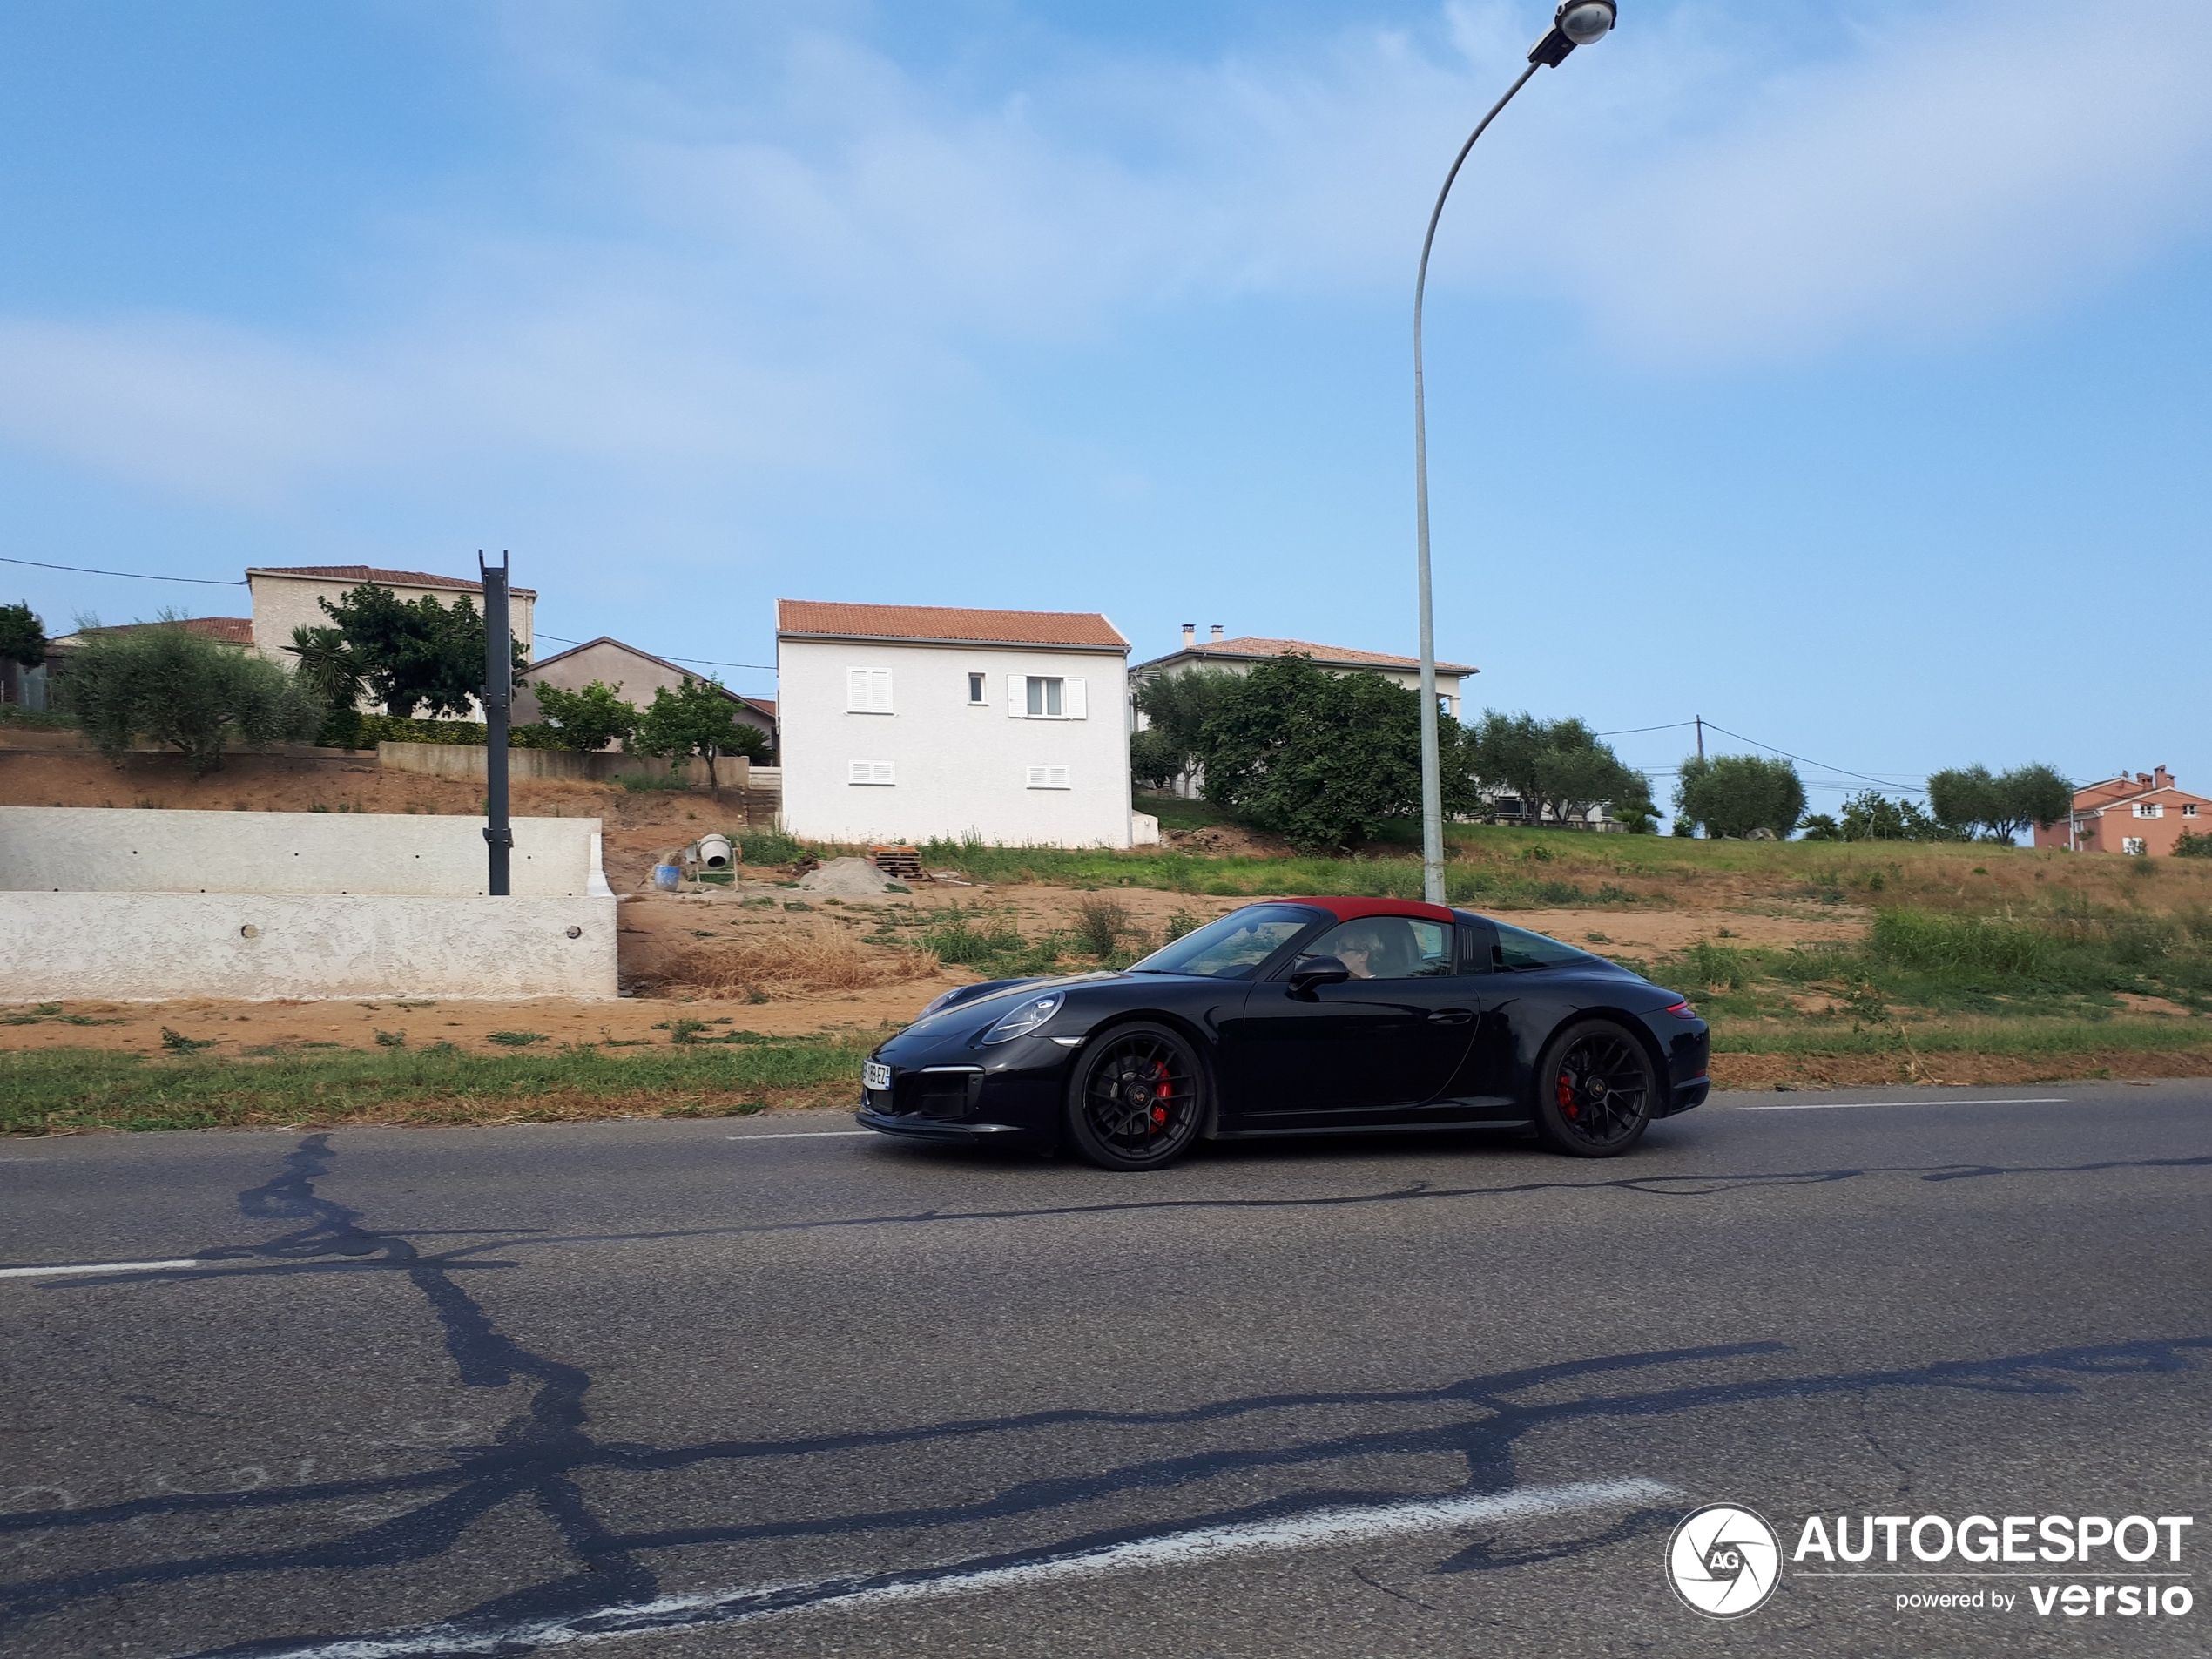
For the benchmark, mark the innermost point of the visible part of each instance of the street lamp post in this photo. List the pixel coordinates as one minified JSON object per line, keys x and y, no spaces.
{"x":1577,"y":22}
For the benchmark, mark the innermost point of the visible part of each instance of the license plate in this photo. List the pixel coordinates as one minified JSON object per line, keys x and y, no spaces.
{"x":875,"y":1075}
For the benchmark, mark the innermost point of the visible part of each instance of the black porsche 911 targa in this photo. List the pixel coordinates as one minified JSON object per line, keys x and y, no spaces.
{"x":1300,"y":1017}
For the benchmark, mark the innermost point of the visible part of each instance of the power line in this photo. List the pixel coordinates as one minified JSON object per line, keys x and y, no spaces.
{"x":134,"y":575}
{"x":1884,"y":782}
{"x":1629,"y":731}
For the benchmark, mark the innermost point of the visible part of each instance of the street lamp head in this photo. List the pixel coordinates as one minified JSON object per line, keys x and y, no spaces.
{"x":1586,"y":22}
{"x":1577,"y":22}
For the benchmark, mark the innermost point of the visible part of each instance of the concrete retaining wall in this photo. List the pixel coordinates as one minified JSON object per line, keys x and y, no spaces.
{"x":467,"y":760}
{"x":133,"y":946}
{"x":94,"y":849}
{"x":134,"y":906}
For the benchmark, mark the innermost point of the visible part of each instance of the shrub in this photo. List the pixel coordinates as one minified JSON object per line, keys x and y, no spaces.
{"x":1102,"y":923}
{"x":586,"y":721}
{"x":2193,"y":846}
{"x":184,"y":692}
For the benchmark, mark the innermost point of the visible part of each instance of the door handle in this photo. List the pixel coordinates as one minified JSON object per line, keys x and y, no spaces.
{"x":1451,"y":1017}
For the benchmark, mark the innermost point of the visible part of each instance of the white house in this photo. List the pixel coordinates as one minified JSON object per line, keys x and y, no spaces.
{"x":905,"y":723}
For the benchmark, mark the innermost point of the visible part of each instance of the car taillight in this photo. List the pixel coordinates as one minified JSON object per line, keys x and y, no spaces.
{"x":1682,"y":1010}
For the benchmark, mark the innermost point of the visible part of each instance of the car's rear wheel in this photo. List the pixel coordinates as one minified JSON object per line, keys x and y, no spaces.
{"x":1596,"y":1089}
{"x":1136,"y":1099}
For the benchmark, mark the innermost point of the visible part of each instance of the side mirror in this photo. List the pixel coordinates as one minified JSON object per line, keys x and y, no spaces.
{"x":1310,"y":971}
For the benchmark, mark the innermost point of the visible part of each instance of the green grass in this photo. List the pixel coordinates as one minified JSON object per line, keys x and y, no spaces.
{"x":2059,"y":1039}
{"x":45,"y":1090}
{"x":1919,"y":970}
{"x":1524,"y":886}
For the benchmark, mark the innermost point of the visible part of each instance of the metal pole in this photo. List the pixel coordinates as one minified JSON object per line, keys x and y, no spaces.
{"x":1432,"y":768}
{"x":499,"y":680}
{"x":1701,"y":736}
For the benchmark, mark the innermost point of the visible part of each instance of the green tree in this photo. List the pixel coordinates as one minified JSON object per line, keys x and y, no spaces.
{"x":588,"y":720}
{"x":1968,"y":800}
{"x":1820,"y":826}
{"x":1176,"y":707}
{"x":1559,"y":767}
{"x":416,"y":654}
{"x":1872,"y":816}
{"x":1155,"y":759}
{"x":1735,"y":794}
{"x":22,"y":637}
{"x":697,"y":718}
{"x":191,"y":693}
{"x":1323,"y":759}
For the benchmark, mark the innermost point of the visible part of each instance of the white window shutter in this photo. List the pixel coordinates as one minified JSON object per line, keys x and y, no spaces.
{"x":1036,"y":777}
{"x":879,"y":689}
{"x":1072,"y":701}
{"x":1017,"y":692}
{"x":856,"y":688}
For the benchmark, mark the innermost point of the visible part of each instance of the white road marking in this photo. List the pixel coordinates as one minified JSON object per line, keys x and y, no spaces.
{"x":1853,"y":1105}
{"x":1206,"y":1544}
{"x":92,"y":1267}
{"x":801,"y":1134}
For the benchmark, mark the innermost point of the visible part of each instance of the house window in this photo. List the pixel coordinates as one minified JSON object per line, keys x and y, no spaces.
{"x":867,"y":691}
{"x":1045,"y":697}
{"x":2188,"y":810}
{"x":873,"y":771}
{"x":1049,"y":777}
{"x":2132,"y":845}
{"x":2150,"y":809}
{"x":975,"y":689}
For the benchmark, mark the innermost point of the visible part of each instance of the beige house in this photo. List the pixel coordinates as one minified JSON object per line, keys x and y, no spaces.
{"x":1239,"y":656}
{"x":286,"y":597}
{"x":638,"y":674}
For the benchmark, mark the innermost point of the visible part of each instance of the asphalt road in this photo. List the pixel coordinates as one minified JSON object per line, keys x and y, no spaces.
{"x":757,"y":1386}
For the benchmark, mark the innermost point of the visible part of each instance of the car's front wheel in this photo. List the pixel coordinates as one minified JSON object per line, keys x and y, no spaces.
{"x":1596,"y":1089}
{"x":1136,"y":1099}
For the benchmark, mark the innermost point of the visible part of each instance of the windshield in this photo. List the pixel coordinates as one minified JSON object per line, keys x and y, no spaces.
{"x":1233,"y":946}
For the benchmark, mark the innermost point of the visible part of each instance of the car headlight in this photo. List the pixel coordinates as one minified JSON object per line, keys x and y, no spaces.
{"x":1025,"y":1017}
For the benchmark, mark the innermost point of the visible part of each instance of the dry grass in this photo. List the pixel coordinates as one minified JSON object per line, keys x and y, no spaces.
{"x":789,"y":964}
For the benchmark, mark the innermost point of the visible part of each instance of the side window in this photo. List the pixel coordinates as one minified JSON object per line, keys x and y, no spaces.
{"x":1478,"y":946}
{"x":867,"y":691}
{"x":1518,"y":949}
{"x":1388,"y":947}
{"x":975,"y":689}
{"x":1046,"y":696}
{"x":872,"y":771}
{"x":1049,"y":777}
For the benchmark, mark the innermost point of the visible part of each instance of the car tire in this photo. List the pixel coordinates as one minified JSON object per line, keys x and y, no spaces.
{"x":1136,"y":1098}
{"x":1597,"y":1086}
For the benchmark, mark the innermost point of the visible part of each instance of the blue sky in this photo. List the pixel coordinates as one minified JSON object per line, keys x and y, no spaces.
{"x":1838,"y":371}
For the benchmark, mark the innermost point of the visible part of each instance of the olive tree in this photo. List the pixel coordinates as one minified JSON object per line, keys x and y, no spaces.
{"x":187,"y":692}
{"x":1733,"y":795}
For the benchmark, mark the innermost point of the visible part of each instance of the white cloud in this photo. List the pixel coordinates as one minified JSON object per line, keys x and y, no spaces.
{"x":797,"y":267}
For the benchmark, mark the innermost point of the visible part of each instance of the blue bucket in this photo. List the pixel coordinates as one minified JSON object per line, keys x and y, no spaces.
{"x":668,"y":877}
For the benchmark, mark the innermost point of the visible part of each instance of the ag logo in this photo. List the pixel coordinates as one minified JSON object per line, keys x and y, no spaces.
{"x":1723,"y":1560}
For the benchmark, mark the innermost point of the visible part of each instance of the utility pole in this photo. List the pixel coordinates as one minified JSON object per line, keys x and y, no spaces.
{"x":499,"y":681}
{"x":1700,"y":737}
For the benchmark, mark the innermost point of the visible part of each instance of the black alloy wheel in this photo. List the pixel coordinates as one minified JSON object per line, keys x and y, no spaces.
{"x":1136,"y":1099}
{"x":1596,"y":1089}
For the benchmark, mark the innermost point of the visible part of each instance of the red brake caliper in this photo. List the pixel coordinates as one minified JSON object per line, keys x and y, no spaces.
{"x":1159,"y":1112}
{"x":1567,"y":1094}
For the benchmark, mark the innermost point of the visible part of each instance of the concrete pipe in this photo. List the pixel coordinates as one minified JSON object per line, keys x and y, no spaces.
{"x":716,"y":853}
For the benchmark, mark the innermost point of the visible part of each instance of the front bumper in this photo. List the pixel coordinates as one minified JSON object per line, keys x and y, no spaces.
{"x":914,"y":1127}
{"x":956,"y":1094}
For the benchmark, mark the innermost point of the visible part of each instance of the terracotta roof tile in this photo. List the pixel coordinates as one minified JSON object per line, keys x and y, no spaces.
{"x":1253,"y":647}
{"x":946,"y":622}
{"x":232,"y":630}
{"x":360,"y":573}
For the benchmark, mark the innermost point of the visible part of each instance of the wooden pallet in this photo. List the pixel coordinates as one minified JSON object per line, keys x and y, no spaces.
{"x":902,"y":862}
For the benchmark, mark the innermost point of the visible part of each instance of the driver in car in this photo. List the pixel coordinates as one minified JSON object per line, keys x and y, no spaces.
{"x":1364,"y":951}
